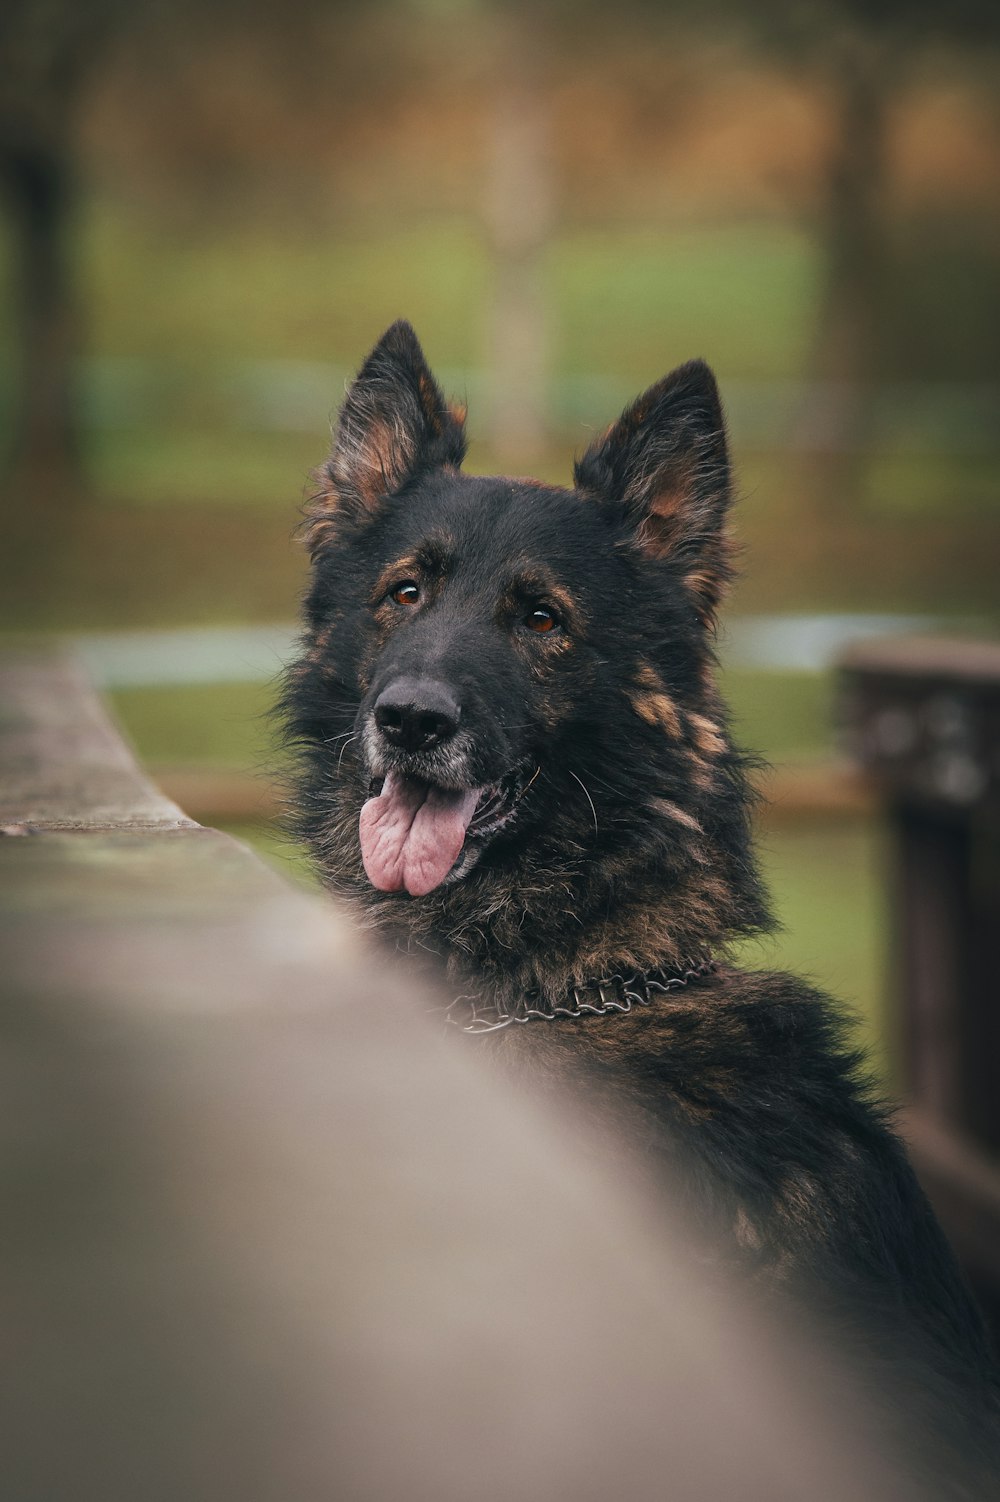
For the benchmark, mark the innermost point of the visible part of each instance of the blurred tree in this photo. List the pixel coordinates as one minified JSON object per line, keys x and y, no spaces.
{"x":48,"y":51}
{"x":52,"y":53}
{"x":518,"y":212}
{"x":861,"y":52}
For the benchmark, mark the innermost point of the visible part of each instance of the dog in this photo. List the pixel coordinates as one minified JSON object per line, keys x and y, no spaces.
{"x":513,"y":755}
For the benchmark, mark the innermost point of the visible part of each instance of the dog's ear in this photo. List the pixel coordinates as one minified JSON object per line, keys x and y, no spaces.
{"x":664,"y":467}
{"x":394,"y":423}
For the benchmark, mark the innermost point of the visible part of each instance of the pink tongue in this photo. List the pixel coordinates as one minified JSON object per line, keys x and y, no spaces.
{"x":411,"y":834}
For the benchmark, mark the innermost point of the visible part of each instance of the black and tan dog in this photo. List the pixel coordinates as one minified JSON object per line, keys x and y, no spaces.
{"x":514,"y":755}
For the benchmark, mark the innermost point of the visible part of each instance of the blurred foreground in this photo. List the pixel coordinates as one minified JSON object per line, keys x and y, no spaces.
{"x":270,"y":1238}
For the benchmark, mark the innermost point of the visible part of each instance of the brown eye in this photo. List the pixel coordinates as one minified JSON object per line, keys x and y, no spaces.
{"x":406,"y":593}
{"x":541,"y":620}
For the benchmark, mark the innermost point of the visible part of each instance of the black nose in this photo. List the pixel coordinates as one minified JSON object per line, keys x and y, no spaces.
{"x":416,"y":714}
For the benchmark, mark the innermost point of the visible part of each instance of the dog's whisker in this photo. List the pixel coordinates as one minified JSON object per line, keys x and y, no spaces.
{"x":590,"y":800}
{"x":343,"y":748}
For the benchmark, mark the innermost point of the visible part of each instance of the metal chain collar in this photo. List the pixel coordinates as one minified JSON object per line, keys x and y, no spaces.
{"x":613,"y":993}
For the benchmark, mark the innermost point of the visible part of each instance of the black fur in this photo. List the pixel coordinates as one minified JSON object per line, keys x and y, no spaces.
{"x":623,"y":838}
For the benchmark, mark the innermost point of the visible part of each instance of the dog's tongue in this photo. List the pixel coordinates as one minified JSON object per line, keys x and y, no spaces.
{"x":411,"y":834}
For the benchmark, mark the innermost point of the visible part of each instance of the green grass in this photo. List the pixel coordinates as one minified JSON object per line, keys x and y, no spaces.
{"x":631,"y":302}
{"x":202,"y":306}
{"x":827,"y":880}
{"x":622,"y":306}
{"x":254,"y":291}
{"x":905,"y":484}
{"x":197,"y":300}
{"x":200,"y":725}
{"x":622,"y":301}
{"x":274,"y":847}
{"x":781,"y":716}
{"x":160,"y":466}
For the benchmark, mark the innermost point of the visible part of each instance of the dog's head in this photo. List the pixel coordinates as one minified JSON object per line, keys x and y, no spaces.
{"x":494,"y":663}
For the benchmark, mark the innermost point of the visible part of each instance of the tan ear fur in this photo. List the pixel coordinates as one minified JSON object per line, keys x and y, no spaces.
{"x":393,"y":423}
{"x":663,"y":467}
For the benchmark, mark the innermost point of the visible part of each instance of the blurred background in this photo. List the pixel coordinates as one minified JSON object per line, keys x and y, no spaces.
{"x":212,"y":210}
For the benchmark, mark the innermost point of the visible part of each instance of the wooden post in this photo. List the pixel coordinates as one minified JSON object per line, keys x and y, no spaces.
{"x":923,"y":717}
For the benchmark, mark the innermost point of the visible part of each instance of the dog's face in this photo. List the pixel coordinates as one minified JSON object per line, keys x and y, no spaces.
{"x":486,"y":654}
{"x":480,"y":640}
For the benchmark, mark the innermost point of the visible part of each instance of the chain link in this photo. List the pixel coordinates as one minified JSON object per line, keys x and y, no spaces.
{"x":628,"y":991}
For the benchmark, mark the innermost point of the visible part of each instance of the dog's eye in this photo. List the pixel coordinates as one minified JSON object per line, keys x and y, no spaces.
{"x":406,"y":593}
{"x":541,"y":619}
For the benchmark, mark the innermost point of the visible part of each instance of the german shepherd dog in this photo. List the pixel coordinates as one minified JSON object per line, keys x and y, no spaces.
{"x":513,"y":754}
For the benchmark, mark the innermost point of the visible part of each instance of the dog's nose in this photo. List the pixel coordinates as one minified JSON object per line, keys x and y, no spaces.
{"x":416,"y":714}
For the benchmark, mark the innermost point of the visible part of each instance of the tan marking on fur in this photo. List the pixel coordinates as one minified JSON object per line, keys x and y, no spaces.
{"x":655,"y":706}
{"x":320,"y":644}
{"x":706,"y":677}
{"x":372,"y":459}
{"x":321,"y":529}
{"x":564,"y":602}
{"x":403,"y":568}
{"x":556,"y":641}
{"x":700,"y":772}
{"x":459,"y":412}
{"x":701,"y":583}
{"x":536,"y":583}
{"x":668,"y":810}
{"x":666,"y":510}
{"x":707,"y":583}
{"x":667,"y":930}
{"x":706,"y":733}
{"x":429,"y":402}
{"x":647,"y":677}
{"x":659,"y":710}
{"x":381,"y":462}
{"x":798,"y":1198}
{"x":745,"y":1232}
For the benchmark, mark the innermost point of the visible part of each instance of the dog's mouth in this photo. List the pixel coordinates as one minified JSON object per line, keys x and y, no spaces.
{"x":413,"y":832}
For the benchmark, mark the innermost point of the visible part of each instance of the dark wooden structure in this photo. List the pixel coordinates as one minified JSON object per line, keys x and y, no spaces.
{"x":923,"y":717}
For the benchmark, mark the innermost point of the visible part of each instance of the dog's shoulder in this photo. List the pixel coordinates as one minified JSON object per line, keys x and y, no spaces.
{"x":755,"y":1070}
{"x":742,"y":1038}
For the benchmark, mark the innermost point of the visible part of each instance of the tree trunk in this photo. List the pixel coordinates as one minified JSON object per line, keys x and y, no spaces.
{"x":839,"y":420}
{"x":518,"y":215}
{"x":45,"y":457}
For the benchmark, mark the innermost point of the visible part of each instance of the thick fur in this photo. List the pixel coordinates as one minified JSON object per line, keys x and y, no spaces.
{"x":628,"y":843}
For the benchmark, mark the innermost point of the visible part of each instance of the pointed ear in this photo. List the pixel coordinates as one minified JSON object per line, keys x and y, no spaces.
{"x":394,"y":423}
{"x":664,"y":466}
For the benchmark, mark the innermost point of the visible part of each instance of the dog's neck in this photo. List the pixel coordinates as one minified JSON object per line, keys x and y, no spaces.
{"x":559,"y":927}
{"x":611,"y":995}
